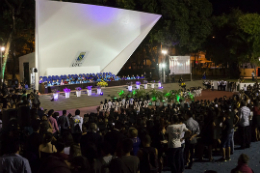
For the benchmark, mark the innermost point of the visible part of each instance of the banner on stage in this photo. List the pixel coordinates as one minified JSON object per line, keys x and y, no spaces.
{"x":79,"y":59}
{"x":179,"y":65}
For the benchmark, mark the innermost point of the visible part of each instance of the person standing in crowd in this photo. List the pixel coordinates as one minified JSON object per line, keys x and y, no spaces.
{"x":55,"y":127}
{"x":13,"y":162}
{"x":78,"y":121}
{"x":133,"y":132}
{"x":174,"y":153}
{"x":126,"y":163}
{"x":253,"y":75}
{"x":64,"y":122}
{"x":244,"y":124}
{"x":204,"y":75}
{"x":92,"y":136}
{"x":190,"y":143}
{"x":114,"y":137}
{"x":148,"y":157}
{"x":227,"y":126}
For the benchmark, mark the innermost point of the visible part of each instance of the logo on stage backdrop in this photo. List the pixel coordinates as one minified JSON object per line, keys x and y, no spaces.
{"x":78,"y":61}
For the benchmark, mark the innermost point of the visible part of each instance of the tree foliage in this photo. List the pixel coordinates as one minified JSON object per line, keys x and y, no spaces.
{"x":17,"y":29}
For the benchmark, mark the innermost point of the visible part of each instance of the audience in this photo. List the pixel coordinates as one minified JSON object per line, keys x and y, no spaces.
{"x":83,"y":78}
{"x":125,"y":140}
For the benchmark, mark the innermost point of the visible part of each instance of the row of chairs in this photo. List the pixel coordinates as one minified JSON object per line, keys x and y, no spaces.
{"x":63,"y":77}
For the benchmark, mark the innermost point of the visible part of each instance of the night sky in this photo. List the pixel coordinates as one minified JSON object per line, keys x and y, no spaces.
{"x":224,"y":6}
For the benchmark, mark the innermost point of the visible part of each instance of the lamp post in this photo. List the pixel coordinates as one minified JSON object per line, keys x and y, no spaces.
{"x":2,"y":50}
{"x":164,"y":52}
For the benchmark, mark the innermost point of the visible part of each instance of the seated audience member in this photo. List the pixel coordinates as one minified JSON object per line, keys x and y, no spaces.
{"x":49,"y":83}
{"x":78,"y":81}
{"x":57,"y":82}
{"x":128,"y":78}
{"x":54,"y":82}
{"x":242,"y":165}
{"x":61,"y":82}
{"x":133,"y":77}
{"x":12,"y":161}
{"x":66,"y":82}
{"x":79,"y":77}
{"x":126,"y":163}
{"x":68,"y":79}
{"x":137,"y":77}
{"x":142,"y":77}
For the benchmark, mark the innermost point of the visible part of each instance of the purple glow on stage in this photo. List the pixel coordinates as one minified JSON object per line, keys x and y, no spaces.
{"x":101,"y":14}
{"x":101,"y":93}
{"x":138,"y":83}
{"x":89,"y":87}
{"x":66,"y":90}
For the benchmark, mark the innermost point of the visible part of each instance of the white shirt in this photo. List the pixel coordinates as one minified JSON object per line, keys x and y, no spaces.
{"x":76,"y":118}
{"x":67,"y":150}
{"x":174,"y":132}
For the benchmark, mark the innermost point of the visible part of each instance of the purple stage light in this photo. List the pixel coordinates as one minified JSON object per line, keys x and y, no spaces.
{"x":101,"y":93}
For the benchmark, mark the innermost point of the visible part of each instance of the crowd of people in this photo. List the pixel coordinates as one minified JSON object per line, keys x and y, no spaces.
{"x":83,"y":78}
{"x":123,"y":139}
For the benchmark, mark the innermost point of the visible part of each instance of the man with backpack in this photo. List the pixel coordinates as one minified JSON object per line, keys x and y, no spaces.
{"x":78,"y":121}
{"x":148,"y":157}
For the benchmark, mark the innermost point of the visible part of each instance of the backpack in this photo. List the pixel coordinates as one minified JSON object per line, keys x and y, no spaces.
{"x":149,"y":160}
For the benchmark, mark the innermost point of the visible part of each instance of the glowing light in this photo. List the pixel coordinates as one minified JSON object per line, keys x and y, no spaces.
{"x":101,"y":93}
{"x":163,"y":65}
{"x":121,"y":92}
{"x":167,"y":94}
{"x":134,"y":92}
{"x":154,"y":99}
{"x":164,"y":52}
{"x":178,"y":98}
{"x":2,"y":49}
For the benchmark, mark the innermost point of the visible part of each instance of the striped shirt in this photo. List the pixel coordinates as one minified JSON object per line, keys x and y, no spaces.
{"x":244,"y":114}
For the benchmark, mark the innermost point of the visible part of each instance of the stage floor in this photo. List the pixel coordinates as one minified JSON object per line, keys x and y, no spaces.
{"x":89,"y":104}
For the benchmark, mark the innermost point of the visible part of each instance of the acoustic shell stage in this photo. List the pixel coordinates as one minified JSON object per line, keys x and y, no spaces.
{"x":73,"y":38}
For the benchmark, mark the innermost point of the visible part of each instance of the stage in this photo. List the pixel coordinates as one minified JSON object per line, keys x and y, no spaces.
{"x":89,"y":104}
{"x":60,"y":88}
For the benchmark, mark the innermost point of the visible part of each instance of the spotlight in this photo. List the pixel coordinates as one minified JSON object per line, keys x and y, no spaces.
{"x":101,"y":93}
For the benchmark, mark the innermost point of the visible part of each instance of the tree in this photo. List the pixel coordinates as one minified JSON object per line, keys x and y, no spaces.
{"x":17,"y":31}
{"x":249,"y":24}
{"x":224,"y":40}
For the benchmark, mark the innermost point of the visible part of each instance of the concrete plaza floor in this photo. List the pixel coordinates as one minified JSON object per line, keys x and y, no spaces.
{"x":93,"y":101}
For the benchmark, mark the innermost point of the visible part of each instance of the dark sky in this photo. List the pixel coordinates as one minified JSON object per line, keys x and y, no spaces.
{"x":224,"y":6}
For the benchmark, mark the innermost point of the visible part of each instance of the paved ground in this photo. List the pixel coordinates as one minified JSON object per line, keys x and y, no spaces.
{"x":226,"y":167}
{"x":86,"y":101}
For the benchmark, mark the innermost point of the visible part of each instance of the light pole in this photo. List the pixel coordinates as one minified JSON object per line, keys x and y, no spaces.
{"x":164,"y":52}
{"x":2,"y":50}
